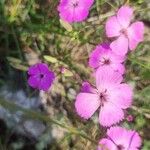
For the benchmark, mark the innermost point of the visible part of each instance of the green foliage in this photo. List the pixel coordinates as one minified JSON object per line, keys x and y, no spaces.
{"x":30,"y":30}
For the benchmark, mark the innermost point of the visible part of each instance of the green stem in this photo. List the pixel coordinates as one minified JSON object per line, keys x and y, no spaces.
{"x":17,"y":43}
{"x":30,"y":114}
{"x":20,"y":54}
{"x":111,"y":5}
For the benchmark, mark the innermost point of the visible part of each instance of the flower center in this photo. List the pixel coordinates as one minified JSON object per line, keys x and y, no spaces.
{"x":124,"y":32}
{"x":105,"y":61}
{"x":103,"y":97}
{"x":41,"y":76}
{"x":75,"y":4}
{"x":120,"y":147}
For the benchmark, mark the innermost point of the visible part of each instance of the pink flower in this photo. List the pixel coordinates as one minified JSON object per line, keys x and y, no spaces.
{"x":127,"y":36}
{"x":110,"y":95}
{"x":103,"y":57}
{"x":119,"y":138}
{"x":74,"y":10}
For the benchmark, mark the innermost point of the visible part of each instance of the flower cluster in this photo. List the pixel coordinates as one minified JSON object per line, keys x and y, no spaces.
{"x":110,"y":95}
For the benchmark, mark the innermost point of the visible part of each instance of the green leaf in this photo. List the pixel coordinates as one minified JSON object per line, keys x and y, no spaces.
{"x":14,"y":60}
{"x":146,"y":74}
{"x":140,"y":121}
{"x":67,"y":73}
{"x":19,"y":67}
{"x":145,"y":93}
{"x":66,"y":25}
{"x":50,"y":59}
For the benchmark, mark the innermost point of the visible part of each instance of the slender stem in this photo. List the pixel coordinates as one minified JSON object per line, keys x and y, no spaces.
{"x":17,"y":42}
{"x":20,"y":54}
{"x":40,"y":116}
{"x":111,"y":5}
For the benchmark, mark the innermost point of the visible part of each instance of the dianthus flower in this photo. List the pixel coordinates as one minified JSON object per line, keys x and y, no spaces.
{"x":74,"y":10}
{"x":40,"y":76}
{"x":103,"y":57}
{"x":110,"y":95}
{"x":119,"y":138}
{"x":127,"y":35}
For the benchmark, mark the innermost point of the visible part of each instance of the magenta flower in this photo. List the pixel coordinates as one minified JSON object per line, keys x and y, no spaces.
{"x":110,"y":95}
{"x":119,"y":138}
{"x":127,"y":36}
{"x":103,"y":57}
{"x":74,"y":10}
{"x":40,"y":76}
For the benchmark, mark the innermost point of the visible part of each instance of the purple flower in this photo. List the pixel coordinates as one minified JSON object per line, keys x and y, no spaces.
{"x":119,"y":138}
{"x":74,"y":10}
{"x":110,"y":96}
{"x":40,"y":76}
{"x":103,"y":57}
{"x":127,"y":35}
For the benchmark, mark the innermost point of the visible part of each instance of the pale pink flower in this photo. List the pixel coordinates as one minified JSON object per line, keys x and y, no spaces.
{"x":110,"y":96}
{"x":127,"y":35}
{"x":119,"y":138}
{"x":103,"y":57}
{"x":74,"y":10}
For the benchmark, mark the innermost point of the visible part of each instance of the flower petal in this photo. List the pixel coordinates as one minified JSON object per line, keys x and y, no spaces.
{"x":86,"y":104}
{"x":135,"y":34}
{"x":135,"y":140}
{"x":124,"y":16}
{"x":46,"y":81}
{"x":121,"y":95}
{"x":112,"y":27}
{"x":34,"y":81}
{"x":94,"y":58}
{"x":87,"y":88}
{"x":117,"y":58}
{"x":118,"y":68}
{"x":106,"y":144}
{"x":107,"y":77}
{"x":110,"y":114}
{"x":33,"y":70}
{"x":96,"y":54}
{"x":43,"y":68}
{"x":80,"y":14}
{"x":120,"y":46}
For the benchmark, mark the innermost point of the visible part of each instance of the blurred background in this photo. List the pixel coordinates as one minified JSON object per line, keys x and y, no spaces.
{"x":30,"y":31}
